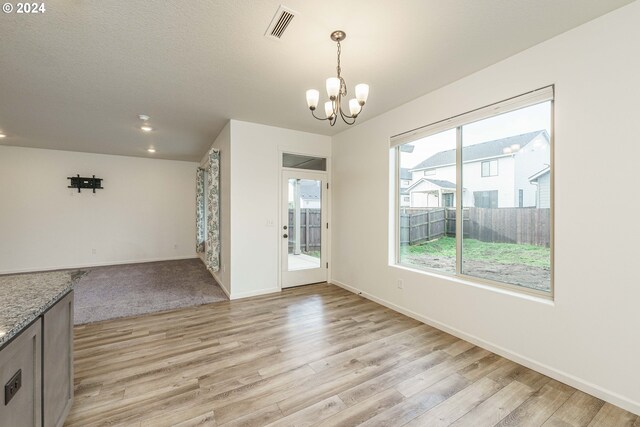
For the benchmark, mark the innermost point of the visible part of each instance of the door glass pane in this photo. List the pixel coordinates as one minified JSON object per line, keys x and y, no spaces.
{"x":427,"y":194}
{"x":506,"y":171}
{"x":305,"y":223}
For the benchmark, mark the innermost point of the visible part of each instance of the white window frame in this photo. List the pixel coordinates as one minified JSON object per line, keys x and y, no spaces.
{"x":538,"y":96}
{"x":492,"y":171}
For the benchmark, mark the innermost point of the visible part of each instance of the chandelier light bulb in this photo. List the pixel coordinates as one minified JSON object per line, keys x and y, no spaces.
{"x":354,"y":107}
{"x":312,"y":98}
{"x":362,"y":93}
{"x":328,"y":109}
{"x":333,"y":87}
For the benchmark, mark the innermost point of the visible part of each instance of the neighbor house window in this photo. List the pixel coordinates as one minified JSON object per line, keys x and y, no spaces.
{"x":521,"y":198}
{"x":490,"y":168}
{"x":464,"y":225}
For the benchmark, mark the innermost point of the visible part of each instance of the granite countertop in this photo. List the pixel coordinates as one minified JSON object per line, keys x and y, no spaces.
{"x":24,"y":297}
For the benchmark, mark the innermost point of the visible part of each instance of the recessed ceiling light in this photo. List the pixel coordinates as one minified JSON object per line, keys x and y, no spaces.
{"x":151,"y":150}
{"x":2,"y":135}
{"x":146,"y":128}
{"x":144,"y":117}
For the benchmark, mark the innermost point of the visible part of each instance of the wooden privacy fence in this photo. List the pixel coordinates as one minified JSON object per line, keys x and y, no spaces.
{"x":529,"y":226}
{"x":310,"y":230}
{"x":421,"y":225}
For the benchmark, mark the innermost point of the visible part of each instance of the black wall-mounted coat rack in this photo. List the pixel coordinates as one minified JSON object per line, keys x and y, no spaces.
{"x":82,"y":182}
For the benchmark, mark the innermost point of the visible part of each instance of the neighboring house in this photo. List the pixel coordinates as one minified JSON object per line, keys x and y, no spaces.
{"x":405,"y":183}
{"x":432,"y":193}
{"x":496,"y":173}
{"x":310,"y":194}
{"x":542,"y":180}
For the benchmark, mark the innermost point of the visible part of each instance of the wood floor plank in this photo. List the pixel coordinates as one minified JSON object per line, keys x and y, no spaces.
{"x":436,"y":373}
{"x":458,"y":405}
{"x":362,"y":411}
{"x":309,"y":355}
{"x":258,"y":418}
{"x":539,"y":407}
{"x":610,"y":415}
{"x":496,"y":407}
{"x":419,"y":403}
{"x":577,"y":411}
{"x":391,"y":378}
{"x":310,"y":415}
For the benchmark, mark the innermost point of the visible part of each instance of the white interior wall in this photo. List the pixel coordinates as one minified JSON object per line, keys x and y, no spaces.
{"x":145,"y":212}
{"x":255,"y":201}
{"x":223,"y":143}
{"x":586,"y":336}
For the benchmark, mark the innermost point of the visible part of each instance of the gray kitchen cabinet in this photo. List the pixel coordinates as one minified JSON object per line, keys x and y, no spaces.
{"x":57,"y":353}
{"x":20,"y":379}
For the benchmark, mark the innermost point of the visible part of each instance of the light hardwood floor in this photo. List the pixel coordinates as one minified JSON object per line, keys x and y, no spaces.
{"x":314,"y":355}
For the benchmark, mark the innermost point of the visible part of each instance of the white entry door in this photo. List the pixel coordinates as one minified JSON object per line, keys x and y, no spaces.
{"x":303,"y":228}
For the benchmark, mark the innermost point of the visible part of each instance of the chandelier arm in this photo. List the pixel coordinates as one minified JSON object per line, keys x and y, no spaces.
{"x":318,"y":118}
{"x":345,"y":117}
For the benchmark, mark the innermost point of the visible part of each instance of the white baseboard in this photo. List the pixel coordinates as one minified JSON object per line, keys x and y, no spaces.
{"x":573,"y":381}
{"x":96,"y":264}
{"x":256,"y":293}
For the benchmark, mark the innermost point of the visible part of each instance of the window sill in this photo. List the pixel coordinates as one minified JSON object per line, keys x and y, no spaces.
{"x":504,"y":289}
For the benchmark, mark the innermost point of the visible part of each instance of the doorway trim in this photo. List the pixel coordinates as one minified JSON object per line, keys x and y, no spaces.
{"x":278,"y":236}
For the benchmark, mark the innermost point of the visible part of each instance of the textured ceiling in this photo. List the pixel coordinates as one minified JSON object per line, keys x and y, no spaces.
{"x":76,"y":77}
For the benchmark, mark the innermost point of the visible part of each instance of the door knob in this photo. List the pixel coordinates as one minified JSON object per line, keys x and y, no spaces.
{"x":285,"y":235}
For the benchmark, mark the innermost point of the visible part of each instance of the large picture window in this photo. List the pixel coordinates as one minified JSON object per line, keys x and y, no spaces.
{"x":486,"y":214}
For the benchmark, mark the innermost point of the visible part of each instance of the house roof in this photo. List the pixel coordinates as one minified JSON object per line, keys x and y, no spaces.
{"x":407,"y":148}
{"x":538,"y":174}
{"x":479,"y":151}
{"x":405,"y":173}
{"x":448,"y":185}
{"x":441,"y":183}
{"x":309,"y":190}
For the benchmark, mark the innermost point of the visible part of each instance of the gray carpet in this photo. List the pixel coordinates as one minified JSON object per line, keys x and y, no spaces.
{"x":133,"y":289}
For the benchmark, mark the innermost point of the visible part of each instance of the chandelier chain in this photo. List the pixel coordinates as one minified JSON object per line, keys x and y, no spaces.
{"x":338,"y":67}
{"x":343,"y":85}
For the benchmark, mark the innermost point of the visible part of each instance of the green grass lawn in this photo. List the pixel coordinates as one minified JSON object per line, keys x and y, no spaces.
{"x":503,"y":253}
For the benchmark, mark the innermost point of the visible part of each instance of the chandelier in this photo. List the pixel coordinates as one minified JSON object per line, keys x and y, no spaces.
{"x":336,"y":90}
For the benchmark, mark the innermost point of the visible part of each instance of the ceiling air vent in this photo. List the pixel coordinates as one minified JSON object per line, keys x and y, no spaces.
{"x":279,"y":23}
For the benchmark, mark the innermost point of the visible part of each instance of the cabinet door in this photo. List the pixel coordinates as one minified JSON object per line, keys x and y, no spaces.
{"x":22,"y":354}
{"x":57,"y":329}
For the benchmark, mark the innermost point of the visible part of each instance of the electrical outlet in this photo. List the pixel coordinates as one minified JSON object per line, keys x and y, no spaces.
{"x":269,"y":223}
{"x":400,"y":284}
{"x":12,"y":387}
{"x":175,"y":246}
{"x":93,"y":251}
